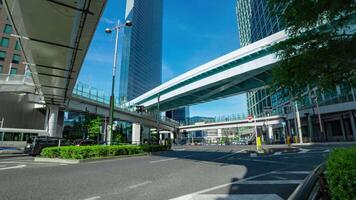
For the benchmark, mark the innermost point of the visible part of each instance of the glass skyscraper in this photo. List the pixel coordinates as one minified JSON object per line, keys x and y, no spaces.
{"x":255,"y":23}
{"x":141,"y":67}
{"x":180,"y":114}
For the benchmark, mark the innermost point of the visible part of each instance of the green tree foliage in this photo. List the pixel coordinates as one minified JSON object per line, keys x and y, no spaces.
{"x":94,"y":127}
{"x":321,"y":49}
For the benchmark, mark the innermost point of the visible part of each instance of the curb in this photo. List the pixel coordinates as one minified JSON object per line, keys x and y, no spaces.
{"x":13,"y":151}
{"x":12,"y":155}
{"x":77,"y":161}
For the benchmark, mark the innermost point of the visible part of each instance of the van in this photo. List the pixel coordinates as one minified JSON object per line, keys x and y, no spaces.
{"x":40,"y":142}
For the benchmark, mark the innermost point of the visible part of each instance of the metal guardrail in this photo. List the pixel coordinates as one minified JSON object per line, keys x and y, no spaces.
{"x":85,"y":91}
{"x":16,"y":79}
{"x":223,"y":118}
{"x":329,"y":101}
{"x":310,"y":187}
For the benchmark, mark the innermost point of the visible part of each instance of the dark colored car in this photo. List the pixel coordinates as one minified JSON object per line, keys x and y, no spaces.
{"x":84,"y":142}
{"x":35,"y":147}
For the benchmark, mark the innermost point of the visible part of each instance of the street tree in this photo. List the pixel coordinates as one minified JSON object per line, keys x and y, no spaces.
{"x":321,"y":49}
{"x":94,"y":127}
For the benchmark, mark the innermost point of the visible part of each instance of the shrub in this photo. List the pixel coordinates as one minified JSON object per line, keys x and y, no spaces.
{"x":85,"y":152}
{"x":341,"y":173}
{"x":50,"y":152}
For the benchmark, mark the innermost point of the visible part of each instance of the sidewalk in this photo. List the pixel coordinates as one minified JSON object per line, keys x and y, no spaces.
{"x":325,"y":143}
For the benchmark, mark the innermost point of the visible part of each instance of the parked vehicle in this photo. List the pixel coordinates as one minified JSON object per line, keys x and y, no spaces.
{"x":243,"y":142}
{"x":35,"y":147}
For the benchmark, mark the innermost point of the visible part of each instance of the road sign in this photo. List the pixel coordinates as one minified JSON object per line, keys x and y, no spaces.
{"x":250,"y":117}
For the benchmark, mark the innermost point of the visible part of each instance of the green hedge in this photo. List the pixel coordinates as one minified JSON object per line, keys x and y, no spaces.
{"x":341,"y":173}
{"x":85,"y":152}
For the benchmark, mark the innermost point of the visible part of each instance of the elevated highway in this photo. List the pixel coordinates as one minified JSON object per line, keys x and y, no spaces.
{"x":240,"y":71}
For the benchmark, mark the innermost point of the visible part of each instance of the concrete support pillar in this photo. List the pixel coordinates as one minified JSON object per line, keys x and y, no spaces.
{"x":310,"y":128}
{"x":219,"y":132}
{"x":353,"y":126}
{"x":160,"y":135}
{"x":171,"y":134}
{"x":53,"y":120}
{"x":342,"y":128}
{"x":136,"y":132}
{"x":299,"y":127}
{"x":270,"y":134}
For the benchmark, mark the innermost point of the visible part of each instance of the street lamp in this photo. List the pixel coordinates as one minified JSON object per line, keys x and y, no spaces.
{"x":117,"y":28}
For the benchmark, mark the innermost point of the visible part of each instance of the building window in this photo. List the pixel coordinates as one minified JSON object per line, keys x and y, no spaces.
{"x":16,"y":59}
{"x":8,"y":29}
{"x":17,"y":46}
{"x":4,"y":42}
{"x":13,"y":71}
{"x":1,"y":69}
{"x":2,"y":55}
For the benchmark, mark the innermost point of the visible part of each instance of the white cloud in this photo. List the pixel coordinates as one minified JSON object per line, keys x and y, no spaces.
{"x":107,"y":20}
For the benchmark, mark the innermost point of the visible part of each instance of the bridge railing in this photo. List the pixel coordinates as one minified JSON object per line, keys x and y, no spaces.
{"x":85,"y":91}
{"x":16,"y":78}
{"x":222,"y":118}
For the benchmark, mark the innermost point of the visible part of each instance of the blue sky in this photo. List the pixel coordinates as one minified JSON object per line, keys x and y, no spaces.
{"x":194,"y":32}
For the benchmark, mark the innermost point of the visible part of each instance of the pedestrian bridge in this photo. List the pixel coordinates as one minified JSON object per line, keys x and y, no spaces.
{"x":86,"y":99}
{"x":240,"y":71}
{"x":258,"y":122}
{"x":54,"y":37}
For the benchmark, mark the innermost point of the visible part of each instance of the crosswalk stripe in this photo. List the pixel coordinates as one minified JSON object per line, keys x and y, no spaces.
{"x":292,"y":172}
{"x":303,"y":150}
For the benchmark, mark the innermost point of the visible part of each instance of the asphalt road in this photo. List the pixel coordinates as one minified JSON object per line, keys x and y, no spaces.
{"x":219,"y":173}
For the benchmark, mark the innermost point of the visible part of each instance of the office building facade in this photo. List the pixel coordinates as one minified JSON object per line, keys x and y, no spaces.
{"x":324,"y":116}
{"x":141,"y":67}
{"x":11,"y":61}
{"x":255,"y":23}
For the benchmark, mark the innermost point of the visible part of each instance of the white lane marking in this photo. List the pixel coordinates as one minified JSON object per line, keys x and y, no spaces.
{"x":168,"y":159}
{"x":192,"y":195}
{"x":303,"y":150}
{"x":236,"y":196}
{"x":228,"y":155}
{"x":14,"y":167}
{"x":277,"y":153}
{"x":292,"y":172}
{"x":265,"y":182}
{"x":139,"y":184}
{"x":179,"y":149}
{"x":280,"y":177}
{"x":266,"y":161}
{"x":93,"y":198}
{"x":326,"y":151}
